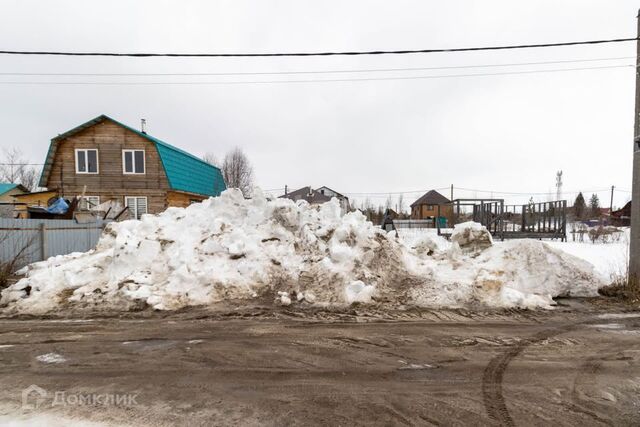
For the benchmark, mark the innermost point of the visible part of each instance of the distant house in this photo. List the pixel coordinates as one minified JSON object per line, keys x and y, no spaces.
{"x":426,"y":207}
{"x":107,"y":160}
{"x":317,"y":196}
{"x":8,"y":191}
{"x":622,"y":217}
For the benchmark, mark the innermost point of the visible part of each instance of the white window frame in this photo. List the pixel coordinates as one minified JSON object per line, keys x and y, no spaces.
{"x":133,"y":162}
{"x":86,"y":161}
{"x":92,"y":197}
{"x":135,"y":211}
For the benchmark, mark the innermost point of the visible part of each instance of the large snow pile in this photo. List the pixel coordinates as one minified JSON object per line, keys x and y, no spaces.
{"x":293,"y":253}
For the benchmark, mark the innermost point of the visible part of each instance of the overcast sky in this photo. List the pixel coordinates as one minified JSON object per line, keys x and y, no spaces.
{"x":507,"y":133}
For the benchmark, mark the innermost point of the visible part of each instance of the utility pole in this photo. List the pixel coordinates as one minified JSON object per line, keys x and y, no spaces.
{"x":613,"y":187}
{"x":451,"y":192}
{"x":634,"y":252}
{"x":559,"y":185}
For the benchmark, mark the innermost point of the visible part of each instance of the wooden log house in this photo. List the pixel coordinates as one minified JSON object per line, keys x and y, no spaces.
{"x":114,"y":161}
{"x":431,"y":205}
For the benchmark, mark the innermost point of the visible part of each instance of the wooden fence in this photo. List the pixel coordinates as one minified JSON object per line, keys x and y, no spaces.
{"x":546,"y":220}
{"x":38,"y":239}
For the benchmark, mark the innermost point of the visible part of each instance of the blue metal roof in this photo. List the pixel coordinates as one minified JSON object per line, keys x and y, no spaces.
{"x":7,"y":186}
{"x":184,"y":171}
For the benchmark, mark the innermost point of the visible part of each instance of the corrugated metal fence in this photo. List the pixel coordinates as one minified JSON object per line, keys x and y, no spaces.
{"x":38,"y":239}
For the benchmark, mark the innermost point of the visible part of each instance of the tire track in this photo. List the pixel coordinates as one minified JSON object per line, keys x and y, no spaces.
{"x":589,"y":368}
{"x":492,"y":392}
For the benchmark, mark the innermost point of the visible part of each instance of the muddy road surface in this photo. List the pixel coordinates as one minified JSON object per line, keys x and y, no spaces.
{"x":577,"y":365}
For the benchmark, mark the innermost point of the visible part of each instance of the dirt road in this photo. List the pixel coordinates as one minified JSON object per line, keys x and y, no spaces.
{"x":576,"y":365}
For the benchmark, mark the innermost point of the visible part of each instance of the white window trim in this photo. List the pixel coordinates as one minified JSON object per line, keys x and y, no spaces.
{"x":87,"y":199}
{"x":86,"y":161}
{"x":146,"y":203}
{"x":133,"y":162}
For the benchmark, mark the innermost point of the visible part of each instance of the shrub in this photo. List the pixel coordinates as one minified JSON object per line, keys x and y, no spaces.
{"x":17,"y":260}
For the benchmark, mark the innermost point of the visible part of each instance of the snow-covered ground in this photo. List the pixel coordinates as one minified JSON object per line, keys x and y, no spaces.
{"x":609,"y":259}
{"x":231,"y":248}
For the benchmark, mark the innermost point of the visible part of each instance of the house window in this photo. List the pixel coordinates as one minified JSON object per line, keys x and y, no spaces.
{"x":89,"y":202}
{"x":429,"y":207}
{"x":87,"y":161}
{"x":137,"y":206}
{"x":133,"y":161}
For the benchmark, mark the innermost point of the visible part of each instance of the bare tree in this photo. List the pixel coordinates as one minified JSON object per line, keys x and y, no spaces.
{"x":401,"y":205}
{"x":211,"y":159}
{"x":15,"y":169}
{"x":237,"y":171}
{"x":388,"y":204}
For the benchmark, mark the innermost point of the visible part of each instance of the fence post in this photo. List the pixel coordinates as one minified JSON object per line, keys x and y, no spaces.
{"x":43,"y":241}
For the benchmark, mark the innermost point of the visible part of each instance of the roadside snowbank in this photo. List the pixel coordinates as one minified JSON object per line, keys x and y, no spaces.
{"x":232,"y":248}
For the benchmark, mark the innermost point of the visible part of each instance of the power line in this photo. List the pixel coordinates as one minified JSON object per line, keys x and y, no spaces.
{"x":390,"y":193}
{"x":240,"y":82}
{"x":342,"y":53}
{"x":513,"y":193}
{"x":387,"y":193}
{"x":473,"y":190}
{"x":294,"y":72}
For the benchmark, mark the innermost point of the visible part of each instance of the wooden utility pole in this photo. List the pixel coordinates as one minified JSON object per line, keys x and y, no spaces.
{"x":634,"y":252}
{"x":613,"y":187}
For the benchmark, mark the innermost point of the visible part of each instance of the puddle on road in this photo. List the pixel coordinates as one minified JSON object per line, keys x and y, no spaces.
{"x":617,"y":328}
{"x":618,"y":315}
{"x":155,"y":344}
{"x":67,"y":320}
{"x":416,"y":366}
{"x":607,"y":326}
{"x":150,"y":344}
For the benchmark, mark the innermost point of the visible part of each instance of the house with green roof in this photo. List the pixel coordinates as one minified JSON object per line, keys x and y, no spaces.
{"x":107,"y":160}
{"x":9,"y":190}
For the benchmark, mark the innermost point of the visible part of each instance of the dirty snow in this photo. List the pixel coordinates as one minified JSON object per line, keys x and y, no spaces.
{"x":51,"y":358}
{"x":293,"y":253}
